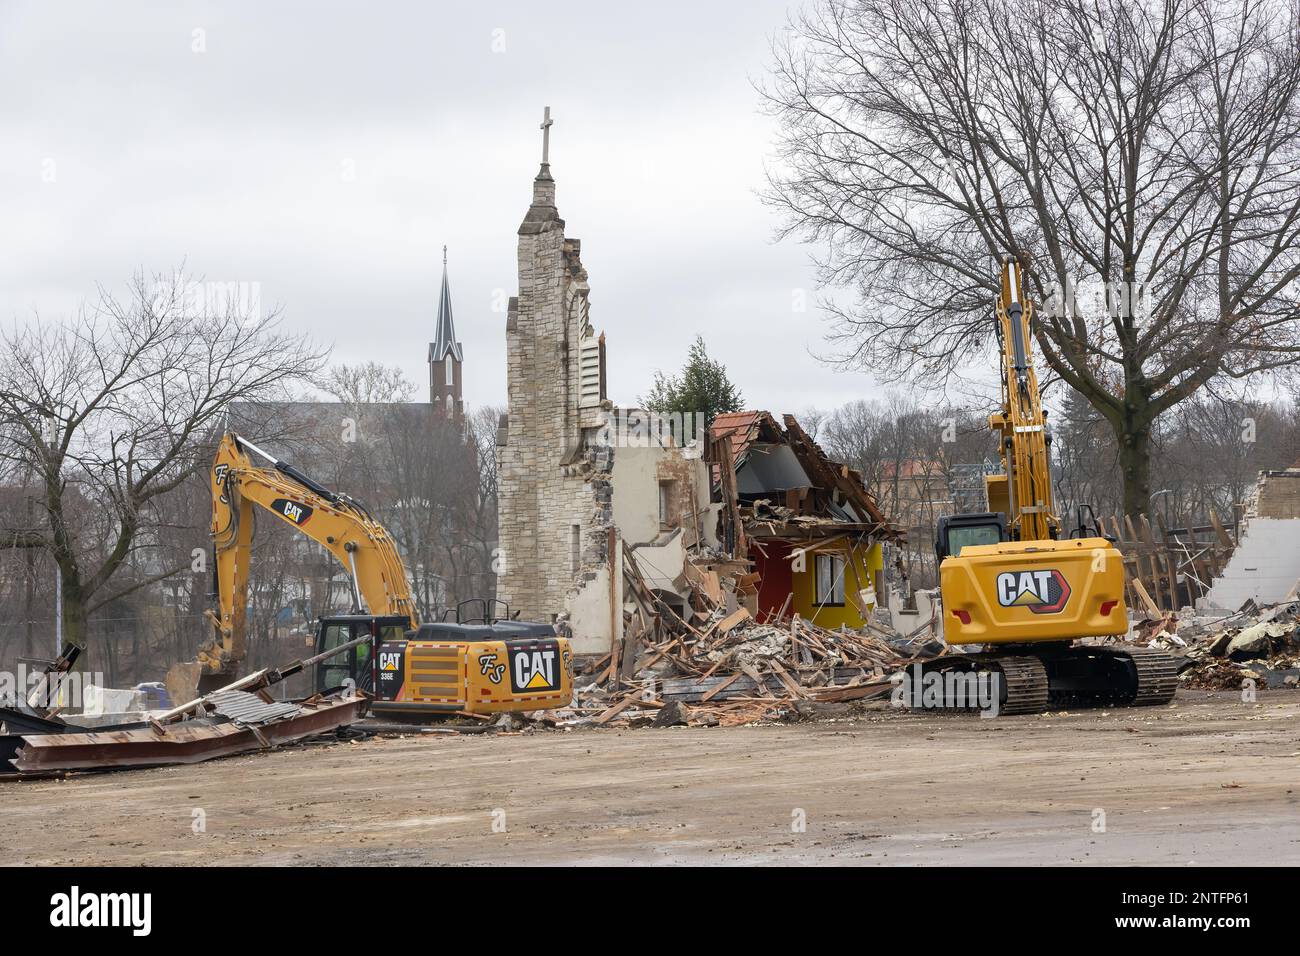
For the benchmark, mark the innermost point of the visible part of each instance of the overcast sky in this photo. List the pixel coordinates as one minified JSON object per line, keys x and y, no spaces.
{"x":327,"y":151}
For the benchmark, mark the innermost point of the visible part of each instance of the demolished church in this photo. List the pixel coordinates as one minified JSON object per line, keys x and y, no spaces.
{"x":611,"y":518}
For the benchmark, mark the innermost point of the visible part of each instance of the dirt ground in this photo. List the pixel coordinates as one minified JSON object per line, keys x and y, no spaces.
{"x":1207,"y":780}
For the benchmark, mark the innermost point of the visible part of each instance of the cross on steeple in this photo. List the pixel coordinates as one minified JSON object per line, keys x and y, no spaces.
{"x":547,"y":122}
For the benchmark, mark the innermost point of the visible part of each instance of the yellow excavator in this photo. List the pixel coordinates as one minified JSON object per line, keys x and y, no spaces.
{"x":412,"y":669}
{"x":1012,"y":579}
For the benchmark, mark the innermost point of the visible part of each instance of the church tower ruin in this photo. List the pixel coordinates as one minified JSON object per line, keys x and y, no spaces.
{"x":554,"y":475}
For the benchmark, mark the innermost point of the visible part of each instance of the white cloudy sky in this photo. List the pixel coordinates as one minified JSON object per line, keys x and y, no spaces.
{"x":232,"y":160}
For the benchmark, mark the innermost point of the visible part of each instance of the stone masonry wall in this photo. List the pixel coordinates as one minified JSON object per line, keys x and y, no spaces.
{"x":550,"y":480}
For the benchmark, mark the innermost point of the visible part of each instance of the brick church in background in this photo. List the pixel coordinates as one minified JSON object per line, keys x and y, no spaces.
{"x":446,"y":358}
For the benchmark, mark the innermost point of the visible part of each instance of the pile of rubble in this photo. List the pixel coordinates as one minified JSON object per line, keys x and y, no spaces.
{"x":1221,"y":651}
{"x":736,"y":670}
{"x":725,"y":667}
{"x":717,"y":663}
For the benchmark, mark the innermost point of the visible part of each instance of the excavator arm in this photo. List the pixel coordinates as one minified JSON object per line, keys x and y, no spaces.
{"x":335,"y":521}
{"x":1024,"y":491}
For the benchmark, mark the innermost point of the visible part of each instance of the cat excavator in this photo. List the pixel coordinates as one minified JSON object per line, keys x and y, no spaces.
{"x":413,"y":670}
{"x":1014,"y":580}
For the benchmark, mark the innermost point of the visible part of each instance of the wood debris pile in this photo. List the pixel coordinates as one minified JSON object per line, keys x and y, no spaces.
{"x":716,"y":663}
{"x":1221,"y":652}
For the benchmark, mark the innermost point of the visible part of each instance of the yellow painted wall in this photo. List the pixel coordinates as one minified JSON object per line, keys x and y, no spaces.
{"x":867,"y":561}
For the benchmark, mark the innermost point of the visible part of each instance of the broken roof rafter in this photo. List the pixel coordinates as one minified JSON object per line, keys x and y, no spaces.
{"x":839,"y":498}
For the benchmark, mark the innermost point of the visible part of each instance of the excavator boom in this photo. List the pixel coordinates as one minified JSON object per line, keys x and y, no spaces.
{"x":1024,"y":490}
{"x":334,"y":521}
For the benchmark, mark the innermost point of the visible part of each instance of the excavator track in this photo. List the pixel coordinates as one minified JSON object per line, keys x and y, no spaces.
{"x":1056,"y":677}
{"x":1022,"y":684}
{"x":1157,"y":676}
{"x":1025,"y":685}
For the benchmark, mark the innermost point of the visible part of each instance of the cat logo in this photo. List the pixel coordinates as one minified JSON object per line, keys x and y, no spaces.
{"x":293,"y":511}
{"x":1043,"y":592}
{"x":534,"y":666}
{"x":391,"y":656}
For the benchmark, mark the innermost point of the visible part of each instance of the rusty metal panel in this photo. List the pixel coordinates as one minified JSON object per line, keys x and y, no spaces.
{"x":189,"y":741}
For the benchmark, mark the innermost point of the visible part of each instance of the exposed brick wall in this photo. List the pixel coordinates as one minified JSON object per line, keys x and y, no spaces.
{"x":1279,"y":494}
{"x":674,"y":468}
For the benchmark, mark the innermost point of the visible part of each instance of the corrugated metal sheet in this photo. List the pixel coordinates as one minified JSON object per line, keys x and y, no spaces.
{"x":246,"y":709}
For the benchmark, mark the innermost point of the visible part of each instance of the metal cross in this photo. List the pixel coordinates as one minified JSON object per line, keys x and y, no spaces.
{"x":547,"y":122}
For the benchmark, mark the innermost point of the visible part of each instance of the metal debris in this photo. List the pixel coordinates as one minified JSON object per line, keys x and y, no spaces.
{"x":231,"y":720}
{"x":245,"y":709}
{"x":190,"y":741}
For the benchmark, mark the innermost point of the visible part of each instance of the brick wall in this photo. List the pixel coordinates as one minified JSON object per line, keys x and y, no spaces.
{"x":1279,"y":494}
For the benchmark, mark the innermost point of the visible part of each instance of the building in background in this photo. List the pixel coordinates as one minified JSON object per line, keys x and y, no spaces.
{"x":446,"y":358}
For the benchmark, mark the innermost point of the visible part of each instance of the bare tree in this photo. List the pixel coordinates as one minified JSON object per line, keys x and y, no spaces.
{"x":430,"y":477}
{"x":908,"y":456}
{"x":114,"y":408}
{"x":367,"y":383}
{"x":1209,"y":452}
{"x":1148,"y":150}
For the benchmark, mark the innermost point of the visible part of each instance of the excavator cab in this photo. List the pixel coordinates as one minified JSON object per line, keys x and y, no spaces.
{"x":959,"y":531}
{"x":357,"y":665}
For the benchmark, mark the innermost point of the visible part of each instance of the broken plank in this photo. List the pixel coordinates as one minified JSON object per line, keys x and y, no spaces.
{"x":733,"y":620}
{"x":617,"y":709}
{"x":720,"y":687}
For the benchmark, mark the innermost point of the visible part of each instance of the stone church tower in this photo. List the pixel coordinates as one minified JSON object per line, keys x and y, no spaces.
{"x":446,"y":357}
{"x":554,"y":474}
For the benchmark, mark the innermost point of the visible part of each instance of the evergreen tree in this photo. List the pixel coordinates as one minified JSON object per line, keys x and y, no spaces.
{"x":701,"y":387}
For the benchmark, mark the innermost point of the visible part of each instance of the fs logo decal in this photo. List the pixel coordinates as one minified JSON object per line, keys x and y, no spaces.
{"x":534,"y":666}
{"x":1043,"y":592}
{"x":489,"y":667}
{"x":292,"y":511}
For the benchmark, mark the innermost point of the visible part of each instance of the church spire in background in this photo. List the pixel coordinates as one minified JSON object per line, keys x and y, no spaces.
{"x":445,"y":355}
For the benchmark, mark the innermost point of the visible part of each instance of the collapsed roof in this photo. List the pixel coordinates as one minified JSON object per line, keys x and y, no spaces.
{"x":786,"y":486}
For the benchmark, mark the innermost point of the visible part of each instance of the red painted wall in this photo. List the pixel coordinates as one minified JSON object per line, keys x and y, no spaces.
{"x":776,"y":582}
